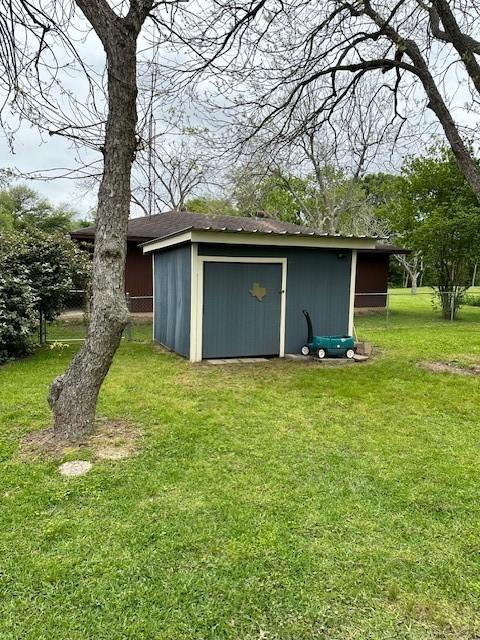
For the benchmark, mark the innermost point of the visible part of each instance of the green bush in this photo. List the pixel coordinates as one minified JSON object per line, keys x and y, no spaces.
{"x":18,"y":316}
{"x":55,"y":265}
{"x":472,"y":301}
{"x":37,"y":272}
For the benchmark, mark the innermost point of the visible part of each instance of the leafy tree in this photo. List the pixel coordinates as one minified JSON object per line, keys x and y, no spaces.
{"x":255,"y":191}
{"x":384,"y":192}
{"x":381,"y":190}
{"x":437,"y":213}
{"x":207,"y":205}
{"x":81,"y":223}
{"x":6,"y":220}
{"x":325,"y":199}
{"x":22,"y":208}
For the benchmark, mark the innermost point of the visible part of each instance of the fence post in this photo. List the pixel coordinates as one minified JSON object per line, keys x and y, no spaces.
{"x":128,"y":328}
{"x":87,"y":311}
{"x":42,"y":329}
{"x":452,"y":308}
{"x":388,"y":308}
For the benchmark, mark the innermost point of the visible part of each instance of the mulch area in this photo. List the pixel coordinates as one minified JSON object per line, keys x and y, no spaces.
{"x":112,"y":440}
{"x":452,"y":367}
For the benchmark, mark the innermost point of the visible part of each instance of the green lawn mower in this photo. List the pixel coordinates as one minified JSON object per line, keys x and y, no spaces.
{"x":324,"y":346}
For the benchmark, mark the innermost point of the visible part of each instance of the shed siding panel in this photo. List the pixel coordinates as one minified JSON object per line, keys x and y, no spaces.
{"x":172,"y":299}
{"x":317,"y":280}
{"x":236,"y":323}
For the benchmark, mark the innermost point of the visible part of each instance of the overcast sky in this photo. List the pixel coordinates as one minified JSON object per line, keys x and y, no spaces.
{"x":32,"y":154}
{"x":37,"y":153}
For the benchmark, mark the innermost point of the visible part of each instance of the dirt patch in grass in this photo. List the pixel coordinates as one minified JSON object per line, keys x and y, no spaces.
{"x":452,"y":367}
{"x":112,"y":440}
{"x":445,"y":620}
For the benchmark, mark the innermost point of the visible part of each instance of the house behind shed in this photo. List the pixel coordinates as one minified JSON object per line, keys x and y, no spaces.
{"x":235,"y":287}
{"x":373,"y":267}
{"x":372,"y":264}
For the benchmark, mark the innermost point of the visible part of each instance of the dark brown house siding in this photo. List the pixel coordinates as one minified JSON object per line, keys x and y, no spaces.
{"x":138,"y":277}
{"x":372,"y":277}
{"x":372,"y":265}
{"x":138,"y":272}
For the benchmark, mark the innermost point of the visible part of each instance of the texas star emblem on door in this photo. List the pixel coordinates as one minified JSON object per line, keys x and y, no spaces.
{"x":241,"y":309}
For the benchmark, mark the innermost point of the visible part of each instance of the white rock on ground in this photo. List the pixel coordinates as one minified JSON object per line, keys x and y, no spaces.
{"x":75,"y":468}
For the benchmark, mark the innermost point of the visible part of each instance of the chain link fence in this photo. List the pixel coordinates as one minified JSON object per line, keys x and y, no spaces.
{"x":386,"y":310}
{"x":72,"y":324}
{"x":139,"y":304}
{"x":404,"y":307}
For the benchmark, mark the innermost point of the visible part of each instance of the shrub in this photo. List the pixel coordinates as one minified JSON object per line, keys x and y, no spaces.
{"x":472,"y":301}
{"x":18,"y":315}
{"x":449,"y":301}
{"x":55,"y":265}
{"x":37,"y":272}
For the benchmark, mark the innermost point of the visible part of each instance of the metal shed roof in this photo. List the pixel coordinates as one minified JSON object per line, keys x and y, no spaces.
{"x":164,"y":225}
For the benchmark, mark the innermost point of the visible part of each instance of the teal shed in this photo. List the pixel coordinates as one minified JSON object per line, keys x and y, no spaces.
{"x":226,"y":287}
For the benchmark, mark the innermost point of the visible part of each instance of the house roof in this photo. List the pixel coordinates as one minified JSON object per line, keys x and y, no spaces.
{"x":171,"y":223}
{"x":390,"y":249}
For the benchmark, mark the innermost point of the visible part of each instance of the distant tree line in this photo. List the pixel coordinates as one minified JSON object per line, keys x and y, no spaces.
{"x":428,"y":207}
{"x":22,"y":208}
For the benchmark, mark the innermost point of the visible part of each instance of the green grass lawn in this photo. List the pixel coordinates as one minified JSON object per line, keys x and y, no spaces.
{"x":278,"y":501}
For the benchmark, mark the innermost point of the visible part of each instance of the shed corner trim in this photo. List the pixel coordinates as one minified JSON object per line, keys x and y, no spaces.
{"x":194,"y":270}
{"x":353,"y":278}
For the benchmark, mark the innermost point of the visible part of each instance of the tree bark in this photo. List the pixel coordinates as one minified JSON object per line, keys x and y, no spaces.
{"x":436,"y":103}
{"x":462,"y":154}
{"x":414,"y":277}
{"x":465,"y":45}
{"x":73,"y":395}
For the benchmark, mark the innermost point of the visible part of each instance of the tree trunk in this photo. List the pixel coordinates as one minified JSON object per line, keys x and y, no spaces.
{"x":436,"y":103}
{"x":465,"y":46}
{"x":414,"y":277}
{"x":462,"y":154}
{"x":73,"y":396}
